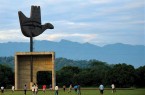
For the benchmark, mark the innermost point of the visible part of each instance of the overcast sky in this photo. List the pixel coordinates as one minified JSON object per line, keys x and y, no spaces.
{"x":98,"y":22}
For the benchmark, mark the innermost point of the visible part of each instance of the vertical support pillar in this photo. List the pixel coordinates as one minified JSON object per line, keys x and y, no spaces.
{"x":16,"y":72}
{"x":31,"y":59}
{"x":31,"y":68}
{"x":53,"y":71}
{"x":31,"y":44}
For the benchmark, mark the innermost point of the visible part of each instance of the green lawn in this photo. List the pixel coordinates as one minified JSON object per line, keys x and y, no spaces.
{"x":84,"y":92}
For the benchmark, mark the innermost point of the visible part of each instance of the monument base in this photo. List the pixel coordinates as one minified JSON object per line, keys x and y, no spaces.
{"x":31,"y":84}
{"x":42,"y":61}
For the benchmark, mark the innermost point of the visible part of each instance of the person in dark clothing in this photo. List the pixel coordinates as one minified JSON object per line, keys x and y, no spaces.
{"x":79,"y":90}
{"x":25,"y":89}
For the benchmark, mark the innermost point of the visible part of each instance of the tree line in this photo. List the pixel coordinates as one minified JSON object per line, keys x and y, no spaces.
{"x":86,"y":73}
{"x":122,"y":75}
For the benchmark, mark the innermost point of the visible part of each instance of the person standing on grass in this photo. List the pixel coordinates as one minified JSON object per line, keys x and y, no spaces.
{"x":56,"y":90}
{"x":13,"y":88}
{"x":2,"y":89}
{"x":44,"y":88}
{"x":79,"y":90}
{"x":36,"y":89}
{"x":75,"y":88}
{"x":101,"y":88}
{"x":70,"y":88}
{"x":64,"y":87}
{"x":50,"y":87}
{"x":33,"y":90}
{"x":25,"y":89}
{"x":113,"y":88}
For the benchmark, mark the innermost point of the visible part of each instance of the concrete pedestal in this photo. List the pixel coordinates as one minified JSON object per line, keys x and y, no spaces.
{"x":42,"y":61}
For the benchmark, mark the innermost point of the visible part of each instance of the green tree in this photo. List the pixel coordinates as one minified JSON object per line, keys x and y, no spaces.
{"x":6,"y":75}
{"x":140,"y":79}
{"x":122,"y":75}
{"x":84,"y":78}
{"x":98,"y":70}
{"x":66,"y":75}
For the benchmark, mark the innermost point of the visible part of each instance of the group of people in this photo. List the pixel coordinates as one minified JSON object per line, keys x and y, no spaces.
{"x":2,"y":89}
{"x":101,"y":88}
{"x":34,"y":89}
{"x":76,"y":89}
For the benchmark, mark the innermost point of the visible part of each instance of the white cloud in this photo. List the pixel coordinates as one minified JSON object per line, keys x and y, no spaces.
{"x":100,"y":1}
{"x":70,"y":26}
{"x":12,"y":36}
{"x":94,"y":21}
{"x":73,"y":37}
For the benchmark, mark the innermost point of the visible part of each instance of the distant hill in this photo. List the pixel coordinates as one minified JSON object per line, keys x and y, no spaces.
{"x":112,"y":53}
{"x":59,"y":62}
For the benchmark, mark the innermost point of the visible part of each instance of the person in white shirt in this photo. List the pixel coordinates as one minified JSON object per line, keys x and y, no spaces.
{"x":33,"y":89}
{"x":36,"y":89}
{"x":56,"y":90}
{"x":13,"y":88}
{"x":113,"y":88}
{"x":2,"y":89}
{"x":101,"y":88}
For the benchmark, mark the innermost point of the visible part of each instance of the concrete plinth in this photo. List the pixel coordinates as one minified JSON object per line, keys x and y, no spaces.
{"x":42,"y":61}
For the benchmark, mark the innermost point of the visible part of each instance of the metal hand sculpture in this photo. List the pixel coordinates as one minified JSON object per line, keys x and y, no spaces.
{"x":31,"y":27}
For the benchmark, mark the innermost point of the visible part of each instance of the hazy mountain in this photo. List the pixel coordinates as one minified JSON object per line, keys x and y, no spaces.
{"x":113,"y":53}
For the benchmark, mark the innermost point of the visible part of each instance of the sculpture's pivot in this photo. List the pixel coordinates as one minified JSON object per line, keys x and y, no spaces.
{"x":31,"y":27}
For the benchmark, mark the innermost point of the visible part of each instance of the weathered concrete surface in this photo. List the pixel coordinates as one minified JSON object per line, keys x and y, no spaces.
{"x":42,"y":61}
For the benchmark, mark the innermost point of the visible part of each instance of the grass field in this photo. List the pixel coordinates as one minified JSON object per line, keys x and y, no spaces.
{"x":83,"y":92}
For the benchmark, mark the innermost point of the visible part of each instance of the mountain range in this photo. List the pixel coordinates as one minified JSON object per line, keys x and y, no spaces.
{"x":111,"y":53}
